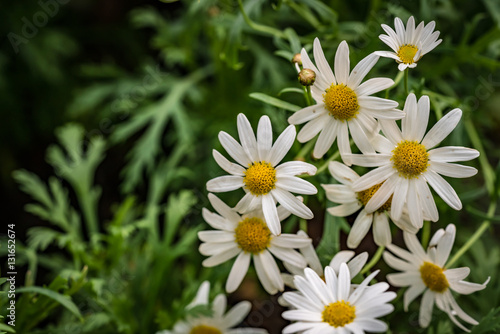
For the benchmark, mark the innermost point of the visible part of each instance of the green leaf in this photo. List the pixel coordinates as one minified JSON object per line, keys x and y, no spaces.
{"x":8,"y":329}
{"x":39,"y":238}
{"x":489,"y":324}
{"x":275,"y":102}
{"x":177,"y":208}
{"x":60,"y":298}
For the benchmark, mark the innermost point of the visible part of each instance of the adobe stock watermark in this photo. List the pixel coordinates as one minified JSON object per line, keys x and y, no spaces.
{"x":31,"y":26}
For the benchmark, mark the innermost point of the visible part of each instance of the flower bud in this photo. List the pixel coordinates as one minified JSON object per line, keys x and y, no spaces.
{"x":297,"y":59}
{"x":307,"y":77}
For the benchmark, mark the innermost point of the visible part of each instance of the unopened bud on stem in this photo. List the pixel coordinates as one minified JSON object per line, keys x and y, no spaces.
{"x":297,"y":59}
{"x":307,"y":77}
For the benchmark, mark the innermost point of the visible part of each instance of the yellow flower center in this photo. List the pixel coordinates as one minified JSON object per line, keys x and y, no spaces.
{"x":338,"y":314}
{"x":365,"y":195}
{"x":406,"y":53}
{"x":433,"y":277}
{"x":260,"y":178}
{"x":252,"y":235}
{"x":203,"y":329}
{"x":410,"y":159}
{"x":341,"y":102}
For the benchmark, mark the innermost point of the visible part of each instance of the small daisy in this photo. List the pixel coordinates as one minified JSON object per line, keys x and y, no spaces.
{"x":426,"y":271}
{"x":248,"y":237}
{"x":407,"y":162}
{"x":354,"y":264}
{"x":351,"y":201}
{"x":409,"y":44}
{"x":344,"y":103}
{"x":258,"y":173}
{"x":331,"y":306}
{"x":219,"y":322}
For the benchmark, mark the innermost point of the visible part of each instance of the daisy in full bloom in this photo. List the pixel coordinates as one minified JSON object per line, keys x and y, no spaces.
{"x":331,"y":306}
{"x":219,"y":322}
{"x":409,"y":44}
{"x":408,"y":162}
{"x":354,"y":263}
{"x":425,"y":272}
{"x":258,"y":173}
{"x":246,"y":237}
{"x":351,"y":201}
{"x":344,"y":104}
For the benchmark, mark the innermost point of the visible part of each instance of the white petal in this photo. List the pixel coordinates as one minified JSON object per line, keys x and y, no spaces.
{"x":387,"y":54}
{"x":414,"y":246}
{"x":339,"y":193}
{"x":402,"y":253}
{"x":264,"y":138}
{"x":266,"y":282}
{"x":296,"y":185}
{"x":456,"y":274}
{"x":225,"y":183}
{"x":312,"y":128}
{"x":442,"y":128}
{"x":228,"y":166}
{"x":396,"y":263}
{"x":399,"y":198}
{"x":216,"y":221}
{"x":291,"y":241}
{"x":340,"y":257}
{"x":413,"y":292}
{"x":359,"y":229}
{"x":382,"y":144}
{"x":452,"y":153}
{"x":376,"y":103}
{"x":360,"y":137}
{"x":427,"y":200}
{"x":381,"y":229}
{"x":212,"y":248}
{"x":320,"y":59}
{"x":300,"y":301}
{"x":370,"y":160}
{"x":271,"y":269}
{"x":452,"y":170}
{"x":373,"y":85}
{"x":361,"y":70}
{"x":372,"y":325}
{"x":342,"y":173}
{"x":411,"y":119}
{"x":391,"y":131}
{"x":220,"y":258}
{"x":343,"y":142}
{"x":288,"y":255}
{"x":307,"y":114}
{"x":247,"y":203}
{"x":238,"y":272}
{"x":247,"y":137}
{"x":466,"y":288}
{"x":234,"y":149}
{"x":271,"y":214}
{"x":342,"y":65}
{"x":373,"y":177}
{"x":318,"y":286}
{"x":219,"y":305}
{"x":292,"y":168}
{"x":223,"y":209}
{"x":297,"y":327}
{"x":356,"y":264}
{"x":326,"y":137}
{"x":443,"y":189}
{"x":344,"y":282}
{"x":423,"y":118}
{"x":445,"y":245}
{"x":305,"y":288}
{"x":291,"y":203}
{"x":237,"y":313}
{"x":201,"y":295}
{"x":404,"y":279}
{"x":216,"y":236}
{"x":358,"y":292}
{"x":382,"y":194}
{"x":282,"y":145}
{"x":344,"y":210}
{"x":414,"y":205}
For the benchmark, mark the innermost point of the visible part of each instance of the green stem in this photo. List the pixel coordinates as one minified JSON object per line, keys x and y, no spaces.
{"x":426,"y":233}
{"x":305,"y":150}
{"x":374,"y":260}
{"x":406,"y":80}
{"x":259,"y":27}
{"x":327,"y":162}
{"x":397,"y":80}
{"x":479,"y":232}
{"x":308,"y":96}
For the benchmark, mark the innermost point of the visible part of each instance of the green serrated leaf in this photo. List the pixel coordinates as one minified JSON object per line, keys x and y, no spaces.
{"x":60,"y":298}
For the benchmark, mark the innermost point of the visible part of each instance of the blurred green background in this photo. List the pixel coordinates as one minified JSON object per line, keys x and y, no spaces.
{"x":151,"y":84}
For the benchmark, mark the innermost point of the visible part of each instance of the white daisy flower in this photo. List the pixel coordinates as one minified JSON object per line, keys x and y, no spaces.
{"x":248,"y":237}
{"x":409,"y":44}
{"x":219,"y":322}
{"x":425,"y":272}
{"x":351,"y":201}
{"x":331,"y":306}
{"x":344,"y":103}
{"x":354,"y":264}
{"x":407,"y":162}
{"x":258,"y":173}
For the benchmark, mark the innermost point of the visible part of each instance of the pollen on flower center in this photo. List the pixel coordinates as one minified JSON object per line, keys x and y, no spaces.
{"x":260,"y":178}
{"x":203,"y":329}
{"x":433,"y":277}
{"x":365,"y":195}
{"x":252,"y":235}
{"x":338,"y":314}
{"x":410,"y":159}
{"x":406,"y":53}
{"x":341,"y":102}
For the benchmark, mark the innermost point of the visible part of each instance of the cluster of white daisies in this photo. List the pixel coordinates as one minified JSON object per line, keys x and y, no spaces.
{"x":407,"y":160}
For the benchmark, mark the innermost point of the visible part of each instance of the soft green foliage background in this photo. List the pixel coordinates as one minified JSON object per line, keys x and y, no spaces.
{"x":136,"y":103}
